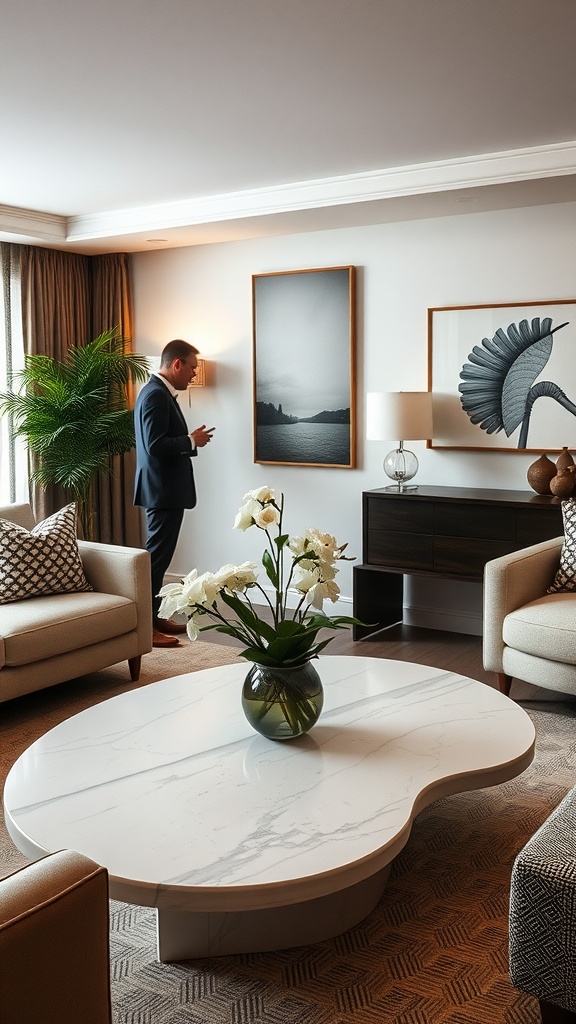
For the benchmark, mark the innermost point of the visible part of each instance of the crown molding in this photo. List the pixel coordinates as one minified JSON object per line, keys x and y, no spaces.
{"x":438,"y":176}
{"x":32,"y":225}
{"x":416,"y":179}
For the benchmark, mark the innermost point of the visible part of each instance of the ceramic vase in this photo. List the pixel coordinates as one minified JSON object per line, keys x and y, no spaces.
{"x":540,"y":474}
{"x":282,"y":703}
{"x":564,"y":460}
{"x":562,"y":485}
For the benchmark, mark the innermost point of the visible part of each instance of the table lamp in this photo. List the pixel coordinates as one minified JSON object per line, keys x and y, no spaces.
{"x":406,"y":415}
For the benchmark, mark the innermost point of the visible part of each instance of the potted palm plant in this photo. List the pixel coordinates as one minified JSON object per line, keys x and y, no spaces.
{"x":74,"y":415}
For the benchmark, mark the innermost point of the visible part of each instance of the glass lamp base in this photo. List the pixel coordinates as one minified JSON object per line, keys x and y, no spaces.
{"x":401,"y":465}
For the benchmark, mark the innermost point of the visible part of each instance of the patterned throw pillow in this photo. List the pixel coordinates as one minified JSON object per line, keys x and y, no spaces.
{"x":565,"y":578}
{"x":44,"y":561}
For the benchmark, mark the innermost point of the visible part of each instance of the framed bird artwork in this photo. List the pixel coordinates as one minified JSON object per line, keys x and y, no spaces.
{"x":503,"y":376}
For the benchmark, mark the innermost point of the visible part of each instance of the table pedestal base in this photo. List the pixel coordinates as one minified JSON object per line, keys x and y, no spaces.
{"x":187,"y":935}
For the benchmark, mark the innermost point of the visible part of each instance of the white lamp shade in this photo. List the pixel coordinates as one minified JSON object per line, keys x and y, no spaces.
{"x":398,"y":415}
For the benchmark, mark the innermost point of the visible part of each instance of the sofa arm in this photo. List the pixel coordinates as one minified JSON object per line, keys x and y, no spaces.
{"x":511,"y":582}
{"x":54,"y":942}
{"x":543,"y":910}
{"x":114,"y":569}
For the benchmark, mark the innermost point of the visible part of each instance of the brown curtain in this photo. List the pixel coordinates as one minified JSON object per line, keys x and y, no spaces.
{"x":55,"y":301}
{"x":111,"y":306}
{"x":69,"y":299}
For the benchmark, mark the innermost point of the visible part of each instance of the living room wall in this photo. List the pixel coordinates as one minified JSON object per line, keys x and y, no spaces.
{"x":203,"y":294}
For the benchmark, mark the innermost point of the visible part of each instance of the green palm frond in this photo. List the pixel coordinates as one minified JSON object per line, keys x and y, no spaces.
{"x":74,"y":414}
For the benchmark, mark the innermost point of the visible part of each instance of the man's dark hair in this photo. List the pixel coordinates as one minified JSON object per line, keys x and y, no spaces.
{"x":176,"y":349}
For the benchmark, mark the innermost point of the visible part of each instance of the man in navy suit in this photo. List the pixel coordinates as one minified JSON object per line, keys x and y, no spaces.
{"x":164,"y":474}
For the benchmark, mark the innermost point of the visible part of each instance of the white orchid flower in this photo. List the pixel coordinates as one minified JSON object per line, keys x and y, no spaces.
{"x":192,"y":627}
{"x":263,"y":494}
{"x":172,"y":601}
{"x":266,"y":517}
{"x":324,"y":544}
{"x":236,"y":578}
{"x":245,"y":515}
{"x":325,"y":590}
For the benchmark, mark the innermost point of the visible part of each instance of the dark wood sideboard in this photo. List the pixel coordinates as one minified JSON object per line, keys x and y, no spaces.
{"x":442,"y":532}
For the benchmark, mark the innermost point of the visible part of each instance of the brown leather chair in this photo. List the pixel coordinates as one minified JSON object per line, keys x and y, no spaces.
{"x":54,"y":943}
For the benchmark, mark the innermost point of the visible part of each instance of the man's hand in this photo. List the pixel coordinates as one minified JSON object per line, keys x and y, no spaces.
{"x":201,"y":436}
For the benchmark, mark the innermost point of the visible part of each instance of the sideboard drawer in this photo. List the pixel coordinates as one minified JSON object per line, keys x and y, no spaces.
{"x":396,"y":515}
{"x":465,"y":556}
{"x":531,"y":529}
{"x":405,"y":550}
{"x":475,"y":520}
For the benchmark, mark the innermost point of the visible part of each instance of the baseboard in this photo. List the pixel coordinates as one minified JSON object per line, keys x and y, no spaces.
{"x":450,"y":621}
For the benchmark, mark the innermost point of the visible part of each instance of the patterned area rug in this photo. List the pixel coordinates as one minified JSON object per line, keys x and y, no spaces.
{"x":435,"y":949}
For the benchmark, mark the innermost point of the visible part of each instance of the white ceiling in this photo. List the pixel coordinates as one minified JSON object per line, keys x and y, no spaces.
{"x":125,"y":122}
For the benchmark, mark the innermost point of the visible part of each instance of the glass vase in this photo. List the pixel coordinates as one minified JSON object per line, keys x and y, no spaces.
{"x":282,"y":703}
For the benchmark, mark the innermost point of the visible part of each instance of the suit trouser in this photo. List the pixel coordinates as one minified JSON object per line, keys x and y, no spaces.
{"x":163,"y":529}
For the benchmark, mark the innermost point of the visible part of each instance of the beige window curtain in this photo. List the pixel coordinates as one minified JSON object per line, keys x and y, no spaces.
{"x":69,"y":299}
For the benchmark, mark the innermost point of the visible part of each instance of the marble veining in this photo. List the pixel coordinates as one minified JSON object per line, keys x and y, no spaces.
{"x":186,"y":806}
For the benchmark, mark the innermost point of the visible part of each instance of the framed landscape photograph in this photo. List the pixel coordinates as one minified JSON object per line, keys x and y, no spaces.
{"x":304,"y":367}
{"x":503,"y":377}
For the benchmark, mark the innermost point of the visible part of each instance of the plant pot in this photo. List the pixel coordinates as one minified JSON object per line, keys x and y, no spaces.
{"x":282,"y":703}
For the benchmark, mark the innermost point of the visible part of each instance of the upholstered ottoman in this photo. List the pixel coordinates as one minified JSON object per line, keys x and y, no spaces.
{"x":543,"y":915}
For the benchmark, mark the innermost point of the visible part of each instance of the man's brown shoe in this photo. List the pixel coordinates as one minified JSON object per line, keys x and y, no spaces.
{"x":167,"y":626}
{"x":161,"y":640}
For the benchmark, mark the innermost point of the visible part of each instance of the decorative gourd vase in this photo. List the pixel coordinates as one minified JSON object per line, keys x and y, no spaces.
{"x":562,"y":485}
{"x":564,"y":460}
{"x":540,"y":474}
{"x":282,"y":703}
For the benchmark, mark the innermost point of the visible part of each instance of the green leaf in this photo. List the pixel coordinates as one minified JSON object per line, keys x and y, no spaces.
{"x":268,"y":563}
{"x":289,"y":627}
{"x":248,"y":616}
{"x":73,"y":414}
{"x":261,"y":657}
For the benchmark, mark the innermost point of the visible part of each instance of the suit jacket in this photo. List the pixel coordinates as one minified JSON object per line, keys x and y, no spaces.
{"x":164,"y":475}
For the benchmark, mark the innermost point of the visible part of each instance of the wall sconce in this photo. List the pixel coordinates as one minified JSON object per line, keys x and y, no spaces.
{"x":200,"y":380}
{"x":406,"y":415}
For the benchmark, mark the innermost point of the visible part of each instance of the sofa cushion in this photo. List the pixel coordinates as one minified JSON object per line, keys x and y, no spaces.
{"x":44,"y":627}
{"x":44,"y":560}
{"x":544,"y":628}
{"x":565,"y":578}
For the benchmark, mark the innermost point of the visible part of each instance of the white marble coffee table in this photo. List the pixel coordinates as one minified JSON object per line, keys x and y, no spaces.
{"x":246,"y":844}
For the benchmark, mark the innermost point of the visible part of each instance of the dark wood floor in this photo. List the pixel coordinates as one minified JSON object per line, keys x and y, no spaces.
{"x":456,"y":652}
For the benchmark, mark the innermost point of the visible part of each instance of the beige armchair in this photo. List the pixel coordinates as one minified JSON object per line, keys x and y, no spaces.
{"x":49,"y":639}
{"x":54,"y":943}
{"x":529,"y":634}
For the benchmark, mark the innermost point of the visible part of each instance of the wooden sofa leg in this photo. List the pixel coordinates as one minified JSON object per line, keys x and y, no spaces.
{"x":134,"y":666}
{"x":552,"y":1014}
{"x":504,"y":683}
